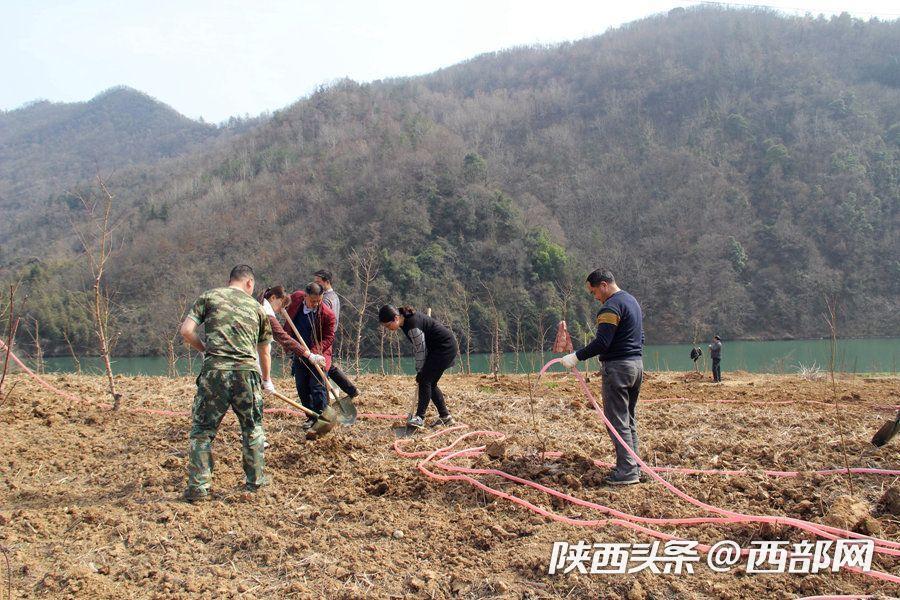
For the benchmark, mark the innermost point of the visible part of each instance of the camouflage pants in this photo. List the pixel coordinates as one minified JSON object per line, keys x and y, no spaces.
{"x":216,"y":391}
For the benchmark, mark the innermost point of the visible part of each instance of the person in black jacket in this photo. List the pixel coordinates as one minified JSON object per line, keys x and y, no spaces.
{"x":435,"y":352}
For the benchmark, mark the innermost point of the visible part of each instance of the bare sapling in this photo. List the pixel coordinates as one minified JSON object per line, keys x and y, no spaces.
{"x":518,"y":341}
{"x":461,"y":296}
{"x":35,"y":335}
{"x":537,"y":430}
{"x":496,"y":357}
{"x":171,"y":336}
{"x":75,"y":361}
{"x":365,"y":271}
{"x":96,"y":239}
{"x":12,"y":324}
{"x":831,"y":320}
{"x":171,"y":359}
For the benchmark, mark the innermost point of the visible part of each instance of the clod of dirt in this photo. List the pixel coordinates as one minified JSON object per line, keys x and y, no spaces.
{"x":416,"y":584}
{"x":847,"y":512}
{"x":398,"y":534}
{"x":377,"y":487}
{"x":636,"y":592}
{"x":890,"y":500}
{"x":459,"y":586}
{"x":870,"y":526}
{"x":496,"y":450}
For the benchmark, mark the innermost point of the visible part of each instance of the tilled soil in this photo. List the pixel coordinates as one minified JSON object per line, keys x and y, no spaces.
{"x":90,"y":500}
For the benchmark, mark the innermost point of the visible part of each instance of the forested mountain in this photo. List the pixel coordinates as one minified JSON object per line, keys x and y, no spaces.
{"x":45,"y":148}
{"x":733,"y":168}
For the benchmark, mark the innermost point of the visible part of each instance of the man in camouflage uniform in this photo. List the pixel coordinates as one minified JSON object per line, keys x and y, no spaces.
{"x":237,"y":332}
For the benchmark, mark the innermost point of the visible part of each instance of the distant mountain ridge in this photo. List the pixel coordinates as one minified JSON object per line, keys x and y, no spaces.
{"x":47,"y":147}
{"x":734,"y":168}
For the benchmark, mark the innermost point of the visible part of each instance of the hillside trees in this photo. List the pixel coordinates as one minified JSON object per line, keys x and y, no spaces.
{"x":731,"y":168}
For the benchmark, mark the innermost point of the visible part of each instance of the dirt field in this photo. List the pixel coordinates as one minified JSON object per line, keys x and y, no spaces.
{"x":90,"y":501}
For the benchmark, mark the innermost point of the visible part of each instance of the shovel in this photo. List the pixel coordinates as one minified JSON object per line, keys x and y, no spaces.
{"x":346,"y":410}
{"x":886,"y":432}
{"x":325,"y":422}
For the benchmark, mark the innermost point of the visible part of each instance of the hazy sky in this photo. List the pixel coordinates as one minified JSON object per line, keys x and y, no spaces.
{"x":217,"y":58}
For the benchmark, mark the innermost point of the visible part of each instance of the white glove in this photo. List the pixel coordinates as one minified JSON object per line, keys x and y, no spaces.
{"x":268,"y":387}
{"x":570,"y":361}
{"x":317,"y":359}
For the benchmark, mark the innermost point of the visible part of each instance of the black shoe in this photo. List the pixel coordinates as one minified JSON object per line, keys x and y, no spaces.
{"x":309,"y":423}
{"x":615,"y":480}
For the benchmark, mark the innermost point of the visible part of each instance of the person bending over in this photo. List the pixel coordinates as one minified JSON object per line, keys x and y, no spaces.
{"x":435,"y":351}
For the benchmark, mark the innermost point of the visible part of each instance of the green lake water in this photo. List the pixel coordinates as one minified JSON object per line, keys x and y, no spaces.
{"x":881,"y":355}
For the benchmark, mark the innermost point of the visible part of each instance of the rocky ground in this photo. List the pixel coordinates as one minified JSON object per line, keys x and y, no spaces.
{"x":90,"y":500}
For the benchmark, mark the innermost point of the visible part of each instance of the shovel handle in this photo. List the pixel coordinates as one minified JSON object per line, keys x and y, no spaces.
{"x":322,"y":374}
{"x":297,"y":405}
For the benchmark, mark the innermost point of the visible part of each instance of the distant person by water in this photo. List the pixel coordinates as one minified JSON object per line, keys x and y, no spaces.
{"x":715,"y":353}
{"x":696,"y":353}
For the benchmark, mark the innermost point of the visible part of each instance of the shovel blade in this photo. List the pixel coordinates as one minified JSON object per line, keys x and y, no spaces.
{"x":321,"y":427}
{"x":345,"y":410}
{"x":886,"y":432}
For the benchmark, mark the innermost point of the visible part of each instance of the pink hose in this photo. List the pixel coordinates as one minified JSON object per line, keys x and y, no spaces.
{"x":627,"y":521}
{"x":3,"y":348}
{"x":798,"y":523}
{"x":442,"y":456}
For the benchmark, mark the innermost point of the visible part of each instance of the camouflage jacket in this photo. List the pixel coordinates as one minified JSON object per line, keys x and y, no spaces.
{"x":235,"y":323}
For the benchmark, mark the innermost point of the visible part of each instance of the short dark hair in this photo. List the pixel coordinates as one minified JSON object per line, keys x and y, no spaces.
{"x":323,"y":275}
{"x":313,"y":289}
{"x":599,"y":276}
{"x":241,"y":272}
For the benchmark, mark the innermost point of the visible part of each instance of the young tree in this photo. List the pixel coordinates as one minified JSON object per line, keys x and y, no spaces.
{"x":71,"y":347}
{"x":365,"y":271}
{"x":496,"y":358}
{"x":38,"y":349}
{"x":12,"y":324}
{"x":95,"y":235}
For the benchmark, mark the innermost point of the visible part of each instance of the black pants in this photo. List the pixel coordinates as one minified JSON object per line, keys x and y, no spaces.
{"x":310,"y":386}
{"x":336,"y":375}
{"x":717,"y":369}
{"x":428,"y":378}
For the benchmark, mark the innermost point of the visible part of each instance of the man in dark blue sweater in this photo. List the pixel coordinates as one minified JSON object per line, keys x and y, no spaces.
{"x":619,"y":344}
